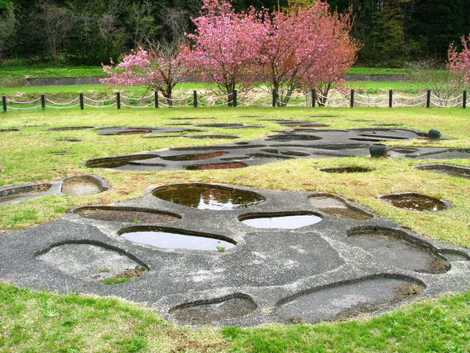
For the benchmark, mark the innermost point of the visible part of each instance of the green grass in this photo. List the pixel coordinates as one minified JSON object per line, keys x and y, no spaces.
{"x":440,"y":326}
{"x":42,"y":322}
{"x":374,"y":71}
{"x":43,"y":161}
{"x":45,"y":322}
{"x":11,"y":80}
{"x":47,"y":71}
{"x":12,"y":71}
{"x":383,"y":86}
{"x":74,"y":90}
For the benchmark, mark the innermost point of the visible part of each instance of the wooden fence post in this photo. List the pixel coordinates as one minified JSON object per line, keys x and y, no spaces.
{"x":390,"y":99}
{"x":195,"y":103}
{"x":352,"y":99}
{"x":156,"y":100}
{"x":464,"y":100}
{"x":4,"y":104}
{"x":428,"y":99}
{"x":118,"y":100}
{"x":313,"y":94}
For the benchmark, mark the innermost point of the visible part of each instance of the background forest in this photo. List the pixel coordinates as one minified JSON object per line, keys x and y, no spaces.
{"x":393,"y":32}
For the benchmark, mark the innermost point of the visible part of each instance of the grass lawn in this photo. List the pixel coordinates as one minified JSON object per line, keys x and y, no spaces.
{"x":45,"y":322}
{"x":48,"y":71}
{"x":74,"y":90}
{"x":11,"y":71}
{"x":382,"y":86}
{"x":11,"y":84}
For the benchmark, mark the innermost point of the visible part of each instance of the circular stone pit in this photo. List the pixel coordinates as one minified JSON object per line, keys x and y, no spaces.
{"x":395,"y":247}
{"x":15,"y":194}
{"x":211,"y":166}
{"x":351,"y":298}
{"x":208,"y":196}
{"x":453,"y":170}
{"x":176,"y":239}
{"x":334,"y":269}
{"x":70,"y":128}
{"x":337,"y":207}
{"x":348,"y":169}
{"x":213,"y":137}
{"x":126,"y":214}
{"x":211,"y":311}
{"x":194,"y":156}
{"x":280,"y":220}
{"x":415,"y":202}
{"x":93,"y":261}
{"x":84,"y":185}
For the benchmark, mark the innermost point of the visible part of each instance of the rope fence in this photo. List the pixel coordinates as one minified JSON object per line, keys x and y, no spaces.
{"x":334,"y":99}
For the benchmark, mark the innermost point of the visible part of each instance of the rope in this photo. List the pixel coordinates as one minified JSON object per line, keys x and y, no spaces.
{"x":256,"y":97}
{"x":73,"y":101}
{"x":25,"y":102}
{"x":100,"y":106}
{"x":98,"y":101}
{"x":136,"y":106}
{"x":137,"y":98}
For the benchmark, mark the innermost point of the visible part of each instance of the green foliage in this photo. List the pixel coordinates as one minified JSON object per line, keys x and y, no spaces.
{"x":4,"y":4}
{"x":392,"y":32}
{"x":7,"y":26}
{"x":44,"y":322}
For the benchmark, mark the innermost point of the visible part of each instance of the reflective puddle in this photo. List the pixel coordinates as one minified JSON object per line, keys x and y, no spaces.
{"x":208,"y":197}
{"x":416,"y":202}
{"x":286,"y":221}
{"x":173,"y":239}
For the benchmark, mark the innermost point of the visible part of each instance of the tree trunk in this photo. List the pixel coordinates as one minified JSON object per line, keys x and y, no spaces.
{"x":288,"y":95}
{"x":169,"y":95}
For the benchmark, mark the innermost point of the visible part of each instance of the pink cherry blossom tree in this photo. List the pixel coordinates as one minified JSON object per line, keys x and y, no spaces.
{"x":226,"y":46}
{"x":160,"y":68}
{"x":459,"y":61}
{"x":310,"y":47}
{"x":336,"y":54}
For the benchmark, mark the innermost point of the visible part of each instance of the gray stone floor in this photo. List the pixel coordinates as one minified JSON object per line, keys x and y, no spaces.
{"x":300,"y":142}
{"x":343,"y":263}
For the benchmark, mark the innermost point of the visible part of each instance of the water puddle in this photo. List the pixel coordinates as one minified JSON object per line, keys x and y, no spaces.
{"x":416,"y":202}
{"x":174,"y":239}
{"x":280,"y":220}
{"x":208,"y":197}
